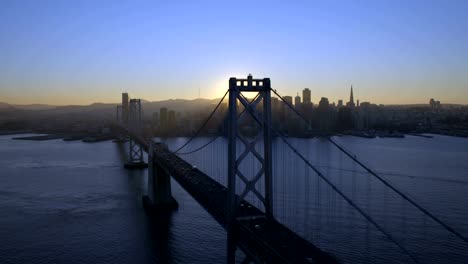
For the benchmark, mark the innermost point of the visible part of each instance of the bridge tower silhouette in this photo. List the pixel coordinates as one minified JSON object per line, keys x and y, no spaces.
{"x":263,"y":119}
{"x":135,"y":155}
{"x":258,"y":109}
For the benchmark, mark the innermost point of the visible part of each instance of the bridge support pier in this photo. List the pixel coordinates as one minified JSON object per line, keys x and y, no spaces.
{"x":135,"y":157}
{"x":159,"y":196}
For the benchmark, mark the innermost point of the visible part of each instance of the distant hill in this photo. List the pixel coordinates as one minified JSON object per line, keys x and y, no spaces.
{"x":34,"y":107}
{"x":5,"y":106}
{"x":107,"y":109}
{"x":178,"y":105}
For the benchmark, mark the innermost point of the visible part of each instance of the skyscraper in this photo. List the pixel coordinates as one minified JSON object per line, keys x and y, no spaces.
{"x":351,"y":99}
{"x":306,"y":96}
{"x":163,"y":118}
{"x":285,"y":110}
{"x":125,"y":107}
{"x":297,"y":101}
{"x":171,"y":119}
{"x":340,"y":103}
{"x":324,"y":114}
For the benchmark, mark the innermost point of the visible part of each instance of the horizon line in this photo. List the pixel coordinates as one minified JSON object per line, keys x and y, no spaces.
{"x":148,"y":101}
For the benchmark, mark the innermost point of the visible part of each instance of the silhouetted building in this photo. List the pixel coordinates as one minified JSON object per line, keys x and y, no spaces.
{"x":306,"y":96}
{"x":350,"y":104}
{"x":275,"y":106}
{"x":285,"y":110}
{"x":364,"y":116}
{"x":340,"y":103}
{"x":155,"y":119}
{"x":435,"y":105}
{"x":163,"y":118}
{"x":297,"y":101}
{"x":345,"y":118}
{"x":125,"y":107}
{"x":171,"y":119}
{"x":324,"y":114}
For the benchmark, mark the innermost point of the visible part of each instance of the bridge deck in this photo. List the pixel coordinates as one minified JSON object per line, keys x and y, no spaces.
{"x":266,"y":238}
{"x":263,"y":238}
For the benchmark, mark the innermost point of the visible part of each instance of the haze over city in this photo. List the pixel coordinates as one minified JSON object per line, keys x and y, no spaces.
{"x":392,"y":52}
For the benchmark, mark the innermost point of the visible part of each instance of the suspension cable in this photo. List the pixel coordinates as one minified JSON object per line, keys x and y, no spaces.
{"x":204,"y":124}
{"x":386,"y":183}
{"x":336,"y":189}
{"x":290,"y":106}
{"x":404,"y":196}
{"x":200,"y":148}
{"x":346,"y":198}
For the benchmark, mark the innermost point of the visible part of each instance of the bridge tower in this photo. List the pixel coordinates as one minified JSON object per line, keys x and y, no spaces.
{"x":263,"y":118}
{"x":259,"y":109}
{"x":135,"y":155}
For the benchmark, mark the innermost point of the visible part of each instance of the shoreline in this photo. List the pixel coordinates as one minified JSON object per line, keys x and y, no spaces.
{"x":93,"y":137}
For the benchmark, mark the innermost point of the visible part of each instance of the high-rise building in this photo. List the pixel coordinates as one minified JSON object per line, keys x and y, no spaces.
{"x":288,"y":99}
{"x":297,"y":101}
{"x":324,"y":114}
{"x":275,"y":105}
{"x":435,"y":105}
{"x":285,"y":110}
{"x":340,"y":103}
{"x":125,"y":107}
{"x":323,"y":104}
{"x":171,"y":119}
{"x":306,"y":96}
{"x":156,"y":119}
{"x":163,"y":118}
{"x":351,"y":99}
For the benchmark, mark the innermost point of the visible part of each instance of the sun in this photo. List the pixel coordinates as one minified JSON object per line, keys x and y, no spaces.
{"x":221,"y":85}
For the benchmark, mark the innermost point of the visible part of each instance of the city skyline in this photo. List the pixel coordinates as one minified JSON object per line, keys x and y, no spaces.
{"x":294,"y":100}
{"x":82,"y":53}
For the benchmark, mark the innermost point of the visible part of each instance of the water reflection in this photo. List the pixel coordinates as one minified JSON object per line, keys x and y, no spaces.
{"x":310,"y":207}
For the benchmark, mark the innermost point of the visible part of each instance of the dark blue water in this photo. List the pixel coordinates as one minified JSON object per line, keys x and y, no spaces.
{"x":72,"y":202}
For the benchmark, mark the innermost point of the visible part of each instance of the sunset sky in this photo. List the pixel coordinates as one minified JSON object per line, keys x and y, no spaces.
{"x":80,"y":52}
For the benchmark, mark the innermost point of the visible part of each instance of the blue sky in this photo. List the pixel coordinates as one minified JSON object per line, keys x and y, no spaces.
{"x":64,"y":52}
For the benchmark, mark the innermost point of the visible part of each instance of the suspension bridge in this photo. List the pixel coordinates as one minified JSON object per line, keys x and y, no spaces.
{"x":251,"y":228}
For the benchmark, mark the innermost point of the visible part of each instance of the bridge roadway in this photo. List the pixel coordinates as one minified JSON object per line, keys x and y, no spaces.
{"x":264,"y":239}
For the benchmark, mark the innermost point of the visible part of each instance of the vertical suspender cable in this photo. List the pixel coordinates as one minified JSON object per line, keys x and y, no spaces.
{"x":386,"y":183}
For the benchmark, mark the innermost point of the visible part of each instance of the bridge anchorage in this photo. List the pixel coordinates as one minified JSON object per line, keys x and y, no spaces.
{"x":135,"y":155}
